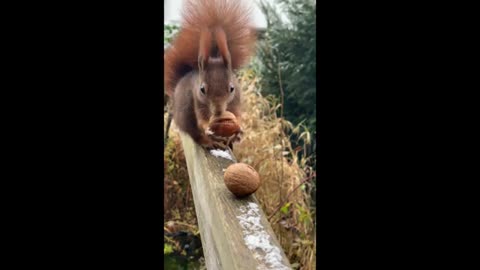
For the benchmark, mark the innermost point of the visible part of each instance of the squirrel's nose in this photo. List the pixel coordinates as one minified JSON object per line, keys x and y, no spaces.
{"x":218,"y":113}
{"x":218,"y":109}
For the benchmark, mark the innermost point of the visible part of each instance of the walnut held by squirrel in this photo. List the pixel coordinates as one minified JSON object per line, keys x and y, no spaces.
{"x":216,"y":38}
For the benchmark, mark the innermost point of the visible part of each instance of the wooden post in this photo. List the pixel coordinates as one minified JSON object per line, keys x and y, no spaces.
{"x":235,"y":233}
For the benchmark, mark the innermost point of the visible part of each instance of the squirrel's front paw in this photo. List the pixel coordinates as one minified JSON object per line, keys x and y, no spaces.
{"x":214,"y":137}
{"x":215,"y":145}
{"x":236,"y":137}
{"x":209,"y":132}
{"x":210,"y":143}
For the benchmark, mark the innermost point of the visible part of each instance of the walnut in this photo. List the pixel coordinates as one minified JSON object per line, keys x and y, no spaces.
{"x":241,"y":179}
{"x":225,"y":125}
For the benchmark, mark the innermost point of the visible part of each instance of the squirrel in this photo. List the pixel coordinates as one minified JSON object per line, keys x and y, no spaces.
{"x":215,"y":39}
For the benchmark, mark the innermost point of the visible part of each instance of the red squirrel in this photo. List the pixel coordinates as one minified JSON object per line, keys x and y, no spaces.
{"x":215,"y":39}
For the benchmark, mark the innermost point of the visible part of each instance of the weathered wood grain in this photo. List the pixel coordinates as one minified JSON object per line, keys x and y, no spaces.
{"x":217,"y":210}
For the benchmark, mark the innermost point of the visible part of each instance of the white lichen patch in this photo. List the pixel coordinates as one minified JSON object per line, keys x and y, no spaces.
{"x":221,"y":153}
{"x":258,"y":240}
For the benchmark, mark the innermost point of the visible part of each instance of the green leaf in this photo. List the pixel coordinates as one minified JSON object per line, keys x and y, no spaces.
{"x":285,"y":208}
{"x":167,"y":249}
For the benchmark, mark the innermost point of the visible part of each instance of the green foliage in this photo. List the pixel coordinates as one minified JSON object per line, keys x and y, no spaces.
{"x":287,"y":59}
{"x":285,"y":208}
{"x":169,"y":31}
{"x":167,"y":249}
{"x":304,"y":214}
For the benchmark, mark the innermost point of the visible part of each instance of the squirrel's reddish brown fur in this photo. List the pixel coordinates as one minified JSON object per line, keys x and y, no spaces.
{"x":216,"y":38}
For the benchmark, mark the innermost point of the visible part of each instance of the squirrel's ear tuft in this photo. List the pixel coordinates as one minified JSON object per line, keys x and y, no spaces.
{"x":221,"y":39}
{"x":204,"y":48}
{"x":202,"y":63}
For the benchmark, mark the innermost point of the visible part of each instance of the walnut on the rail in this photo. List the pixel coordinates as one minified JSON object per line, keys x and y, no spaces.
{"x":241,"y":179}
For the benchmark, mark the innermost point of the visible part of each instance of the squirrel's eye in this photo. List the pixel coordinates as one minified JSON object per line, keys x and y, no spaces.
{"x":231,"y":88}
{"x":202,"y":89}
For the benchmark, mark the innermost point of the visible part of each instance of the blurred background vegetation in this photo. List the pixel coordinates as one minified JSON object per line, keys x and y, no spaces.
{"x":279,"y":88}
{"x":286,"y":59}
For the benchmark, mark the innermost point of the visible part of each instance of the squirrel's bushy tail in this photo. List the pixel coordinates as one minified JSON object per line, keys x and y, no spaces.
{"x":209,"y":28}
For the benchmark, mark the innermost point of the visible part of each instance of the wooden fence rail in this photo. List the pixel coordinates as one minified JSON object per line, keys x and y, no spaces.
{"x":235,"y":233}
